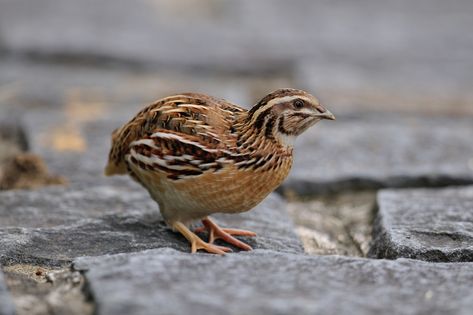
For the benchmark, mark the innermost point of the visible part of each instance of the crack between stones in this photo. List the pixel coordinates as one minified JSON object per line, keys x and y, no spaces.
{"x":45,"y":290}
{"x":338,"y":224}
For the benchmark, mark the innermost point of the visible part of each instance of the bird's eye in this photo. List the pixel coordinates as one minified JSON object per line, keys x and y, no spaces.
{"x":298,"y":103}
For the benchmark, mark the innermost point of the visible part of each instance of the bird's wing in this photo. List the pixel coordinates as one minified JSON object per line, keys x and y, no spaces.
{"x":174,"y":133}
{"x":177,"y":155}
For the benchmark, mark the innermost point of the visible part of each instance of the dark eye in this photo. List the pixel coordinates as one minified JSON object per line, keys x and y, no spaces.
{"x":298,"y":103}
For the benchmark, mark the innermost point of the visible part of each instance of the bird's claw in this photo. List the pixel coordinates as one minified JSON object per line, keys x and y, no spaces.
{"x":216,"y":232}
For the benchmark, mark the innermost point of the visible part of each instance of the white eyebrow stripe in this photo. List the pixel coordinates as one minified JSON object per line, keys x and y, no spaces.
{"x":277,"y":100}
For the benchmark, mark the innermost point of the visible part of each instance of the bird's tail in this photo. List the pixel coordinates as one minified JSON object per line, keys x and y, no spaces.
{"x":116,"y":165}
{"x":114,"y":169}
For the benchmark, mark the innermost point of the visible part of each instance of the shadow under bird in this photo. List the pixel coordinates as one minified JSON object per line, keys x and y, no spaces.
{"x":197,"y":155}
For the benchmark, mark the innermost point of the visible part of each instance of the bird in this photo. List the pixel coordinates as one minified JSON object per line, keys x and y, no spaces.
{"x":198,"y":155}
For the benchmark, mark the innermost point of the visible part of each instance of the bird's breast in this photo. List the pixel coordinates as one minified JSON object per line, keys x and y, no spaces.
{"x":234,"y":189}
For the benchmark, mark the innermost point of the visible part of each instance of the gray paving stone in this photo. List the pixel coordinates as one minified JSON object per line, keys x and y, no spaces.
{"x":6,"y":304}
{"x":53,"y":225}
{"x":382,"y":150}
{"x":427,"y":224}
{"x":265,"y":282}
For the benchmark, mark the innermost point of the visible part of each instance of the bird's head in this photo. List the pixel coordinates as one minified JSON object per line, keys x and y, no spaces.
{"x":286,"y":113}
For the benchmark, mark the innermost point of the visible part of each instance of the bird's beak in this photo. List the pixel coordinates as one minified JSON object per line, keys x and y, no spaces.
{"x":328,"y":115}
{"x":325,"y":114}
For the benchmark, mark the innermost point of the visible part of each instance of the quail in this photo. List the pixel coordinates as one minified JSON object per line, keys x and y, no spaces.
{"x":198,"y":155}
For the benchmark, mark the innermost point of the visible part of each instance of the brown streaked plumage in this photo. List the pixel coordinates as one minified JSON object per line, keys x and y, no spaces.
{"x":198,"y":155}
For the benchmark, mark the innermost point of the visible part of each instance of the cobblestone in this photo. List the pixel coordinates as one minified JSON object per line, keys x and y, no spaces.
{"x":54,"y":225}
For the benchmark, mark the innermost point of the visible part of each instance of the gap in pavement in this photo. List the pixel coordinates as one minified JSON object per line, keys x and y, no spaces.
{"x":41,"y":290}
{"x":334,"y":224}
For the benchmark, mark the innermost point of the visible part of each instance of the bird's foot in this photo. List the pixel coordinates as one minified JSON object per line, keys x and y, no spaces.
{"x":208,"y":247}
{"x":217,"y":232}
{"x":197,"y":243}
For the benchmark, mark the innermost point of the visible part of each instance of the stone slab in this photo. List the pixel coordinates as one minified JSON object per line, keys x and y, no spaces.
{"x":265,"y":282}
{"x":383,"y":150}
{"x":6,"y":304}
{"x":51,"y":226}
{"x":427,"y":224}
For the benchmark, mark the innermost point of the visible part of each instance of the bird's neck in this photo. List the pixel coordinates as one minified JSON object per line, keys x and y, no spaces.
{"x":260,"y":134}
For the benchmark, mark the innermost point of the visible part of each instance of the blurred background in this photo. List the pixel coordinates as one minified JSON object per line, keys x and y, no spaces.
{"x":355,"y":55}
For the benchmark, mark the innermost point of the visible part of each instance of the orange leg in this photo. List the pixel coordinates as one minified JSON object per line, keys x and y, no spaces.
{"x":217,"y":232}
{"x":197,"y":243}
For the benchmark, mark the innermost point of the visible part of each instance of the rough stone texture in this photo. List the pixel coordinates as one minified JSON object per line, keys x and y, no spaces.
{"x":53,"y":225}
{"x":6,"y":305}
{"x":374,"y":150}
{"x":427,"y":224}
{"x":265,"y":282}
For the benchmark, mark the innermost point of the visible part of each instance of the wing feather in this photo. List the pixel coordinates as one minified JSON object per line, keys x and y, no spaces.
{"x":183,"y":128}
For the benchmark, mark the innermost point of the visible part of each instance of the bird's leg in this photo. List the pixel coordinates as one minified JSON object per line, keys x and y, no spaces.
{"x":197,"y":243}
{"x":216,"y":232}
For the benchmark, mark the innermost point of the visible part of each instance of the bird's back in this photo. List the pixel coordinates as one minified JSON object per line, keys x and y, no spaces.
{"x":194,"y":118}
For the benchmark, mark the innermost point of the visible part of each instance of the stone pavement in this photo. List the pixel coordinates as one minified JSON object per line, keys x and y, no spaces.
{"x":54,"y":225}
{"x":427,"y":224}
{"x":268,"y":282}
{"x":373,"y":242}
